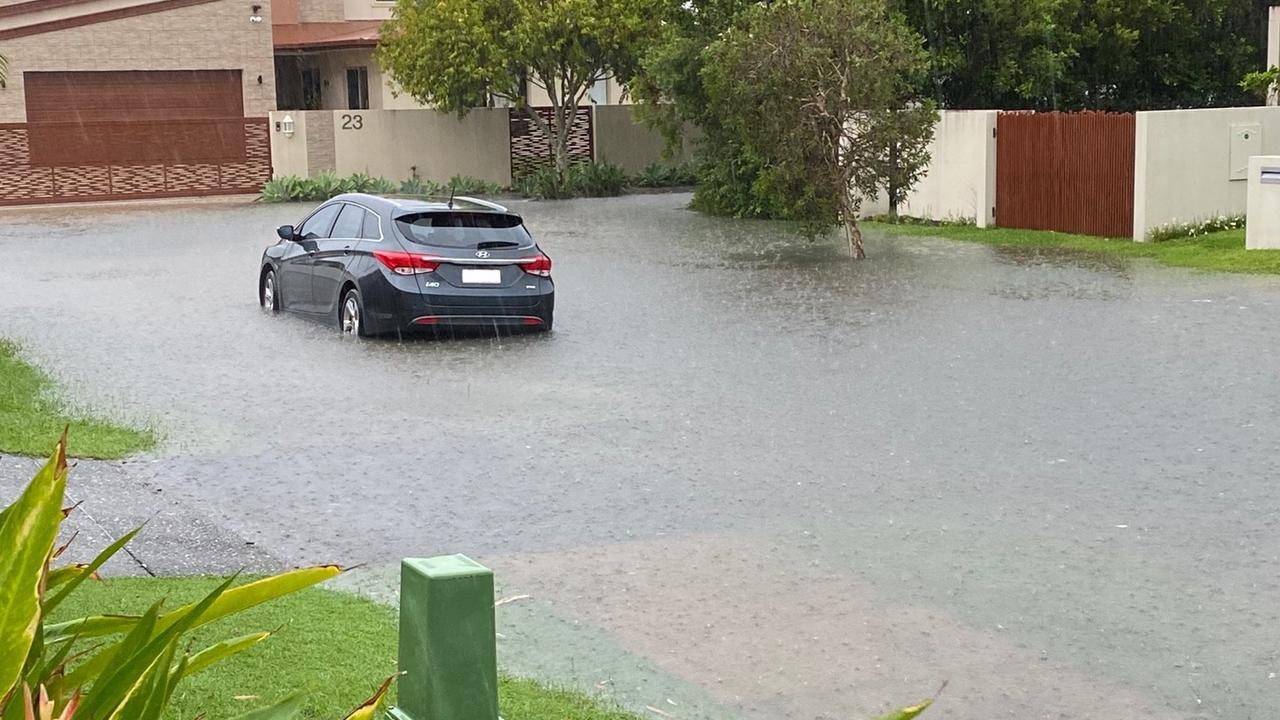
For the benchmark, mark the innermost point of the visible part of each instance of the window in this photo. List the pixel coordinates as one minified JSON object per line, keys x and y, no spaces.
{"x":317,"y":226}
{"x":311,"y":89}
{"x":358,"y":88}
{"x":464,"y":230}
{"x":372,"y":228}
{"x":350,"y":223}
{"x":599,"y":92}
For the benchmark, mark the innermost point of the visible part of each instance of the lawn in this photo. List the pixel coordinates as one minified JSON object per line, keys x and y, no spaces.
{"x":1222,"y":251}
{"x":335,"y":648}
{"x":32,"y":417}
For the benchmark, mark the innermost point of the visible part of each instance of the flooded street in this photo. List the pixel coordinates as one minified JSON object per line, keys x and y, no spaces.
{"x":745,"y":476}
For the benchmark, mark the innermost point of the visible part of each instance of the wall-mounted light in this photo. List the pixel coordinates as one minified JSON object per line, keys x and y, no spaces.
{"x":256,"y":17}
{"x":286,"y":125}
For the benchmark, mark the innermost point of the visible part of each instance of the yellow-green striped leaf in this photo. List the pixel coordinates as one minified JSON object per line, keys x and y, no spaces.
{"x":232,"y":601}
{"x":220,"y":651}
{"x":27,"y":534}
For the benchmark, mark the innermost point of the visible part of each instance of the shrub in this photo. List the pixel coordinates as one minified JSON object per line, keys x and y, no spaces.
{"x":467,"y":185}
{"x":327,"y":184}
{"x":106,"y":665}
{"x":596,"y":179}
{"x":659,"y":175}
{"x":542,"y":183}
{"x":324,"y":186}
{"x":286,"y":188}
{"x":361,"y":182}
{"x":417,"y":186}
{"x":1179,"y":230}
{"x":583,"y":179}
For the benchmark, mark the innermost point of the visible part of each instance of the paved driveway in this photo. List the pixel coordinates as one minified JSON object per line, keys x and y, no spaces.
{"x":744,"y":477}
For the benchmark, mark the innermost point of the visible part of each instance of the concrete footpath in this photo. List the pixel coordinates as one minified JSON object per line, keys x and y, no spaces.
{"x":113,"y":497}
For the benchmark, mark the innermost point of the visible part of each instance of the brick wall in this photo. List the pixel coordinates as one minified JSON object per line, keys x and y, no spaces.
{"x":23,"y":183}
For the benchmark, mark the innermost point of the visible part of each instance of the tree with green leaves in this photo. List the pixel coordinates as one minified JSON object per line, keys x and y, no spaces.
{"x":670,"y":92}
{"x":1128,"y":55}
{"x":991,"y":53}
{"x":817,"y":91}
{"x":1119,"y":55}
{"x":456,"y":55}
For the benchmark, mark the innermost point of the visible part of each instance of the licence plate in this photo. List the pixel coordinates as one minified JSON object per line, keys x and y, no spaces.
{"x":482,"y":277}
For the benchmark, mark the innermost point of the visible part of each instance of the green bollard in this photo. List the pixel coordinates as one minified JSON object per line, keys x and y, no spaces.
{"x":448,"y":651}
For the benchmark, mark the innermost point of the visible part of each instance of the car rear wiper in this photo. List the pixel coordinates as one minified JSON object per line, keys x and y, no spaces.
{"x":492,"y":244}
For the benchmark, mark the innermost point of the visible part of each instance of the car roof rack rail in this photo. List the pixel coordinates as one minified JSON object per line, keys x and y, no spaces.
{"x":481,"y":203}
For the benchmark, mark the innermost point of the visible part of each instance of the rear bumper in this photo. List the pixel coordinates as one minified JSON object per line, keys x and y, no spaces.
{"x":395,"y":305}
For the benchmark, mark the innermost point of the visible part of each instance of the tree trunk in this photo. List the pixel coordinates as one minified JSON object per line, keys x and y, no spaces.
{"x":893,"y":187}
{"x":854,"y":234}
{"x":562,"y":147}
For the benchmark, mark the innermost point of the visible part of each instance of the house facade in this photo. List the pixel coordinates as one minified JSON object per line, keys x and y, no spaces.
{"x":324,"y":59}
{"x":111,"y":99}
{"x":125,"y":99}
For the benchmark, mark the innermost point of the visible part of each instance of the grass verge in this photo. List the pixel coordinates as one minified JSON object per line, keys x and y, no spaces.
{"x":1220,"y":251}
{"x":31,"y":419}
{"x":335,"y":648}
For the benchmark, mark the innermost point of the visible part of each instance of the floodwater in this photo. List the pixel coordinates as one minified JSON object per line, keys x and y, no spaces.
{"x":745,"y":476}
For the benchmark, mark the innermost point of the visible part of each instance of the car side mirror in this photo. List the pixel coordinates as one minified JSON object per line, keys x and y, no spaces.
{"x":286,"y":232}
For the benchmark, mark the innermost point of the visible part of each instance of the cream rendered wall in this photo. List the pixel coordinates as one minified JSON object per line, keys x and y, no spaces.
{"x":391,"y":143}
{"x":1182,"y":163}
{"x":625,"y":141}
{"x":310,"y":11}
{"x":961,"y":179}
{"x":367,"y":9}
{"x":211,"y":36}
{"x":289,"y":153}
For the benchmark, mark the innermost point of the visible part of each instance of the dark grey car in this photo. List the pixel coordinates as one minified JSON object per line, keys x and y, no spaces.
{"x":377,"y":265}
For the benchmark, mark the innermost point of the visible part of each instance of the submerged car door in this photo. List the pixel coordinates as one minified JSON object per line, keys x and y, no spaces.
{"x":295,"y":269}
{"x":333,"y":254}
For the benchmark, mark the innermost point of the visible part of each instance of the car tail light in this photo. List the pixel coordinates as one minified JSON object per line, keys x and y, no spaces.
{"x":540,"y":266}
{"x":406,"y":263}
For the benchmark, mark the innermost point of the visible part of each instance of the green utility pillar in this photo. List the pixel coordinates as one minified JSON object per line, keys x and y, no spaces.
{"x":448,"y":654}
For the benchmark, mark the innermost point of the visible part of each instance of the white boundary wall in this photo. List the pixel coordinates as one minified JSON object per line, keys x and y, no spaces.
{"x":961,"y":179}
{"x":960,"y":182}
{"x":1193,"y":164}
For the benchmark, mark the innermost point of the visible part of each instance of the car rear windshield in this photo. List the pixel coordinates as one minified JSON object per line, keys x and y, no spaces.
{"x":464,"y":230}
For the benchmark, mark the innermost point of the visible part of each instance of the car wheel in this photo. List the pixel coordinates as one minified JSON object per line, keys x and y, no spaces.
{"x":269,"y":292}
{"x":351,"y":314}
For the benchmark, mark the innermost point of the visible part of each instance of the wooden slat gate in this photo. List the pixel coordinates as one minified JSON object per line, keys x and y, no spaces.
{"x":1070,"y":172}
{"x":530,"y":150}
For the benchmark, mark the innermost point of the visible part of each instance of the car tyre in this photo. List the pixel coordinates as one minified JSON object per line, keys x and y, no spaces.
{"x":351,"y":314}
{"x":269,"y":292}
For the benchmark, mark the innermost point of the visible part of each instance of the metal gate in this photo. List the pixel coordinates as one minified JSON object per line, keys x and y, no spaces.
{"x":530,"y":149}
{"x":1070,"y":172}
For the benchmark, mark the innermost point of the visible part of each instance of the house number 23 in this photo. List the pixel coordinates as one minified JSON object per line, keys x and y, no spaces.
{"x":352,"y":122}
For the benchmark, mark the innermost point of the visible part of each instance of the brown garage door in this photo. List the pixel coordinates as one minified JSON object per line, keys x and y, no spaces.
{"x":116,"y":135}
{"x":165,"y":116}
